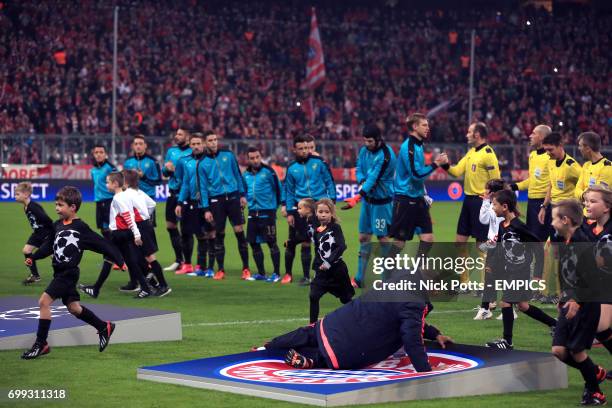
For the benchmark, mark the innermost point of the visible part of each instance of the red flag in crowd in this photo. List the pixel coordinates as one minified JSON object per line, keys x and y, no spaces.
{"x":315,"y":67}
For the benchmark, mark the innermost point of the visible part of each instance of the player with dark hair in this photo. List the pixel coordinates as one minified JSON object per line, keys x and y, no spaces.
{"x":147,"y":168}
{"x":511,"y":261}
{"x":226,"y":193}
{"x":596,"y":170}
{"x":375,"y":173}
{"x":578,"y":319}
{"x":42,"y":226}
{"x":307,"y":176}
{"x":173,"y":155}
{"x":193,"y":208}
{"x":564,"y":173}
{"x":71,"y":238}
{"x":264,"y":195}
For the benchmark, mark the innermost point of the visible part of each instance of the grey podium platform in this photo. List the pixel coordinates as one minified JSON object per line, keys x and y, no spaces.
{"x":470,"y":370}
{"x":19,"y":321}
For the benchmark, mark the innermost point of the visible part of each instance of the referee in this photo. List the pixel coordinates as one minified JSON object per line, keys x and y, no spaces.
{"x":537,"y":184}
{"x":478,"y":166}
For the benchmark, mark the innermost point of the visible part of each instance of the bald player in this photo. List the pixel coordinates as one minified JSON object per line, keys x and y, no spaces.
{"x":537,"y":184}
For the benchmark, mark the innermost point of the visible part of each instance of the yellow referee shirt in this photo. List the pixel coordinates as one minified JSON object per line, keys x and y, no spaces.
{"x":599,"y":172}
{"x":479,"y":165}
{"x":564,"y":175}
{"x":538,"y":181}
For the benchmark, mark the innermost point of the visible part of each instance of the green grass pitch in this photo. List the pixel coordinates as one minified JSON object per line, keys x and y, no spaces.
{"x":222,"y":318}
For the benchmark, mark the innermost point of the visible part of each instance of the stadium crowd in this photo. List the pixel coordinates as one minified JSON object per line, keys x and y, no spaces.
{"x":238,"y":68}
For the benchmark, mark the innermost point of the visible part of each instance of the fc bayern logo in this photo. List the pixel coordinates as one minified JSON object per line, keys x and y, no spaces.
{"x":276,"y":371}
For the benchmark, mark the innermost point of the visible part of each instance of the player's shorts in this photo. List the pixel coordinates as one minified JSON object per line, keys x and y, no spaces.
{"x":64,"y":287}
{"x":147,"y":235}
{"x":578,"y":333}
{"x":39,"y":237}
{"x":171,"y":203}
{"x":409,"y":214}
{"x":299,"y":232}
{"x":103,"y":213}
{"x":375,"y":218}
{"x":224,"y":207}
{"x":469,"y":224}
{"x":336,"y":281}
{"x":261,"y":226}
{"x":542,"y":231}
{"x":193,"y":221}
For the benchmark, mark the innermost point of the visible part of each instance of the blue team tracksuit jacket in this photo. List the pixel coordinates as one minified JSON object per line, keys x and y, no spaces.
{"x":174,"y":154}
{"x":194,"y":185}
{"x":223,"y":174}
{"x":151,"y":174}
{"x":263,"y":190}
{"x":309,"y":178}
{"x":98,"y":175}
{"x":411,"y":170}
{"x":375,"y":173}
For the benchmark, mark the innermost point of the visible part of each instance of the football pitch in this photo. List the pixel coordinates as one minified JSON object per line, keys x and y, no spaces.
{"x":225,"y":317}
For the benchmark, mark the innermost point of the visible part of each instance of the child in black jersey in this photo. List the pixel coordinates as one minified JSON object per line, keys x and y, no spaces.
{"x":331,"y":273}
{"x":578,"y":317}
{"x":511,"y":261}
{"x":71,"y":238}
{"x":42,"y":226}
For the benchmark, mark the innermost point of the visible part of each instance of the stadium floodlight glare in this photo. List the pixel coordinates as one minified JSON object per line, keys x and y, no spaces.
{"x":561,"y":124}
{"x":528,"y":23}
{"x":298,"y":104}
{"x":555,"y":69}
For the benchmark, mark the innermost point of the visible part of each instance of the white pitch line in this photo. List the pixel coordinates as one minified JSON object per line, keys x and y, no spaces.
{"x":301,"y":319}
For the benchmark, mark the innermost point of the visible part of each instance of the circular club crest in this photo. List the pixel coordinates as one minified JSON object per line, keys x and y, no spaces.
{"x":276,"y":371}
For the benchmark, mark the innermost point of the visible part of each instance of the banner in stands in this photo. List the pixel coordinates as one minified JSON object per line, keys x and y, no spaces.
{"x":45,"y":189}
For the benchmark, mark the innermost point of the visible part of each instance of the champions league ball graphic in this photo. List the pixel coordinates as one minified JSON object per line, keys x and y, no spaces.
{"x":603,"y":249}
{"x":514,"y":250}
{"x":66,"y":246}
{"x":325,"y":245}
{"x":569,"y":265}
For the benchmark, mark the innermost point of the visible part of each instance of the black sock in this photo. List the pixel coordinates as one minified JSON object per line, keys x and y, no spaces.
{"x":187,"y":245}
{"x":508,"y":319}
{"x":103,"y":276}
{"x":159,"y":274}
{"x":43,"y":330}
{"x":220,"y":250}
{"x":289,"y":255}
{"x":202,"y":252}
{"x":33,"y":268}
{"x":211,"y":253}
{"x":536,"y":313}
{"x":259,"y":258}
{"x":314,"y":309}
{"x":605,"y":339}
{"x":569,"y":360}
{"x":485,"y":305}
{"x":306,"y":260}
{"x":589,"y":370}
{"x":175,"y":240}
{"x":90,"y":318}
{"x":275,"y":255}
{"x":243,"y":248}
